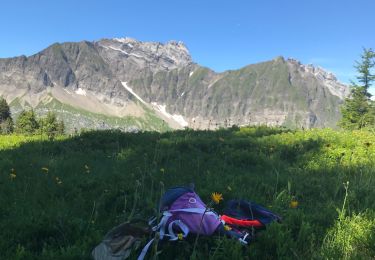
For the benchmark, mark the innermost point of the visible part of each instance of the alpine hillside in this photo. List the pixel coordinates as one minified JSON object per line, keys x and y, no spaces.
{"x":128,"y":84}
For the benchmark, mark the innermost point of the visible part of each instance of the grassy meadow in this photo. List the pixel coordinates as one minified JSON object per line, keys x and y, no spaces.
{"x":59,"y":198}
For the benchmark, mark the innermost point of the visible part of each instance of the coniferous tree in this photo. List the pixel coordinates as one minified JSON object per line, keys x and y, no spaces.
{"x":365,"y":67}
{"x":358,"y":110}
{"x":61,"y":127}
{"x":4,"y":110}
{"x":27,"y":123}
{"x":6,"y":121}
{"x":50,"y":125}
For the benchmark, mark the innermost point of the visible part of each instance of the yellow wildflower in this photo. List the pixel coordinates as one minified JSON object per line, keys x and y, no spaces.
{"x":180,"y":236}
{"x":293,"y":204}
{"x":12,"y":174}
{"x":227,"y":228}
{"x":216,"y":197}
{"x":58,"y":181}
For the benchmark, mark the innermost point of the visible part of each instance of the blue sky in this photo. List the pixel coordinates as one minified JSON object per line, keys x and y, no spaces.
{"x":219,"y":34}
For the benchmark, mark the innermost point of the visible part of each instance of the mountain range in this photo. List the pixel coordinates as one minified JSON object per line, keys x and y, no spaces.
{"x":129,"y":84}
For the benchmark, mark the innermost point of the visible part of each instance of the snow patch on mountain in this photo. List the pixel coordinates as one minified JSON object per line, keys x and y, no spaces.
{"x":125,"y":84}
{"x":161,"y":108}
{"x":125,"y":52}
{"x":178,"y":118}
{"x":81,"y":92}
{"x":126,"y":40}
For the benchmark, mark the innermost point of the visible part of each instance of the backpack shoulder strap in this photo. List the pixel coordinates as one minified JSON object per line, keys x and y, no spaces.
{"x":145,"y":249}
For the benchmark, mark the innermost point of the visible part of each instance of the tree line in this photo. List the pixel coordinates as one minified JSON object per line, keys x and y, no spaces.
{"x":29,"y":123}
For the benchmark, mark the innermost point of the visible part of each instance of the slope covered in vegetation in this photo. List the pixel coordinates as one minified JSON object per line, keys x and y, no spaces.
{"x":59,"y":198}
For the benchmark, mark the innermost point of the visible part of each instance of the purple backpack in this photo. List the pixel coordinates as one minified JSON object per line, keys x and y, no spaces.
{"x":183,"y":212}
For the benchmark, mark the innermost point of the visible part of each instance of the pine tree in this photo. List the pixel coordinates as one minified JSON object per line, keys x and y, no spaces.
{"x":6,"y":121}
{"x":27,"y":123}
{"x":364,"y":67}
{"x":61,"y":127}
{"x":4,"y":110}
{"x":358,"y":110}
{"x":50,"y":125}
{"x":355,"y":111}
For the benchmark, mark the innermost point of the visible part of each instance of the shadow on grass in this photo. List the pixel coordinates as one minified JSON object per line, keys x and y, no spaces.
{"x":65,"y":195}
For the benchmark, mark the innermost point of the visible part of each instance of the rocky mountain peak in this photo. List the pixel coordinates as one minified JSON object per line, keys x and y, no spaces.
{"x":328,"y":79}
{"x":279,"y":59}
{"x":125,"y":40}
{"x":155,"y":55}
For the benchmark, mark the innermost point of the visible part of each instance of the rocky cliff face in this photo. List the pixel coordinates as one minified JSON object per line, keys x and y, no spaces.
{"x":125,"y":76}
{"x":127,"y":57}
{"x":277,"y":92}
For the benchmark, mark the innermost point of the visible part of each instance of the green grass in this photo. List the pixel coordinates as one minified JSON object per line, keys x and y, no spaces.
{"x":95,"y":180}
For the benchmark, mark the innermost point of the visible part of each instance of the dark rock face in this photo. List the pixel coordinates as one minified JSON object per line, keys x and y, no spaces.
{"x":23,"y":73}
{"x":275,"y":92}
{"x":54,"y":62}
